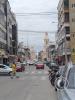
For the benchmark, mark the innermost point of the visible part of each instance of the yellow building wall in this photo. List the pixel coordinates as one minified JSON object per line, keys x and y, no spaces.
{"x":72,"y":28}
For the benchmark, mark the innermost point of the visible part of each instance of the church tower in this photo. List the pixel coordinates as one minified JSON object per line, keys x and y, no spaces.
{"x":46,"y":41}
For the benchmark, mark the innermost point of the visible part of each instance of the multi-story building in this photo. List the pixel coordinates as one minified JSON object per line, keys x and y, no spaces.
{"x":63,"y":34}
{"x":32,"y":53}
{"x":66,"y":30}
{"x":14,"y":42}
{"x":11,"y":31}
{"x":51,"y":51}
{"x":8,"y":31}
{"x":2,"y":30}
{"x":72,"y":28}
{"x":23,"y":52}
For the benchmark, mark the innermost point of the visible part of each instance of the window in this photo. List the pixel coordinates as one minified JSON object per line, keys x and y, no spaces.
{"x":66,"y":17}
{"x":73,"y":19}
{"x":1,"y":66}
{"x":2,"y":18}
{"x":73,"y":5}
{"x":67,"y":29}
{"x":66,"y":3}
{"x":68,"y":38}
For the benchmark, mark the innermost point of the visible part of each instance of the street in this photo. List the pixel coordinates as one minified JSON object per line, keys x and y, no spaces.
{"x":31,"y":85}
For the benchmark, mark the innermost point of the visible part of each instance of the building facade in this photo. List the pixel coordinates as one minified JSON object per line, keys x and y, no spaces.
{"x":66,"y":30}
{"x":63,"y":34}
{"x":72,"y":28}
{"x":2,"y":31}
{"x":51,"y":51}
{"x":23,"y":52}
{"x":11,"y":31}
{"x":32,"y":53}
{"x":7,"y":20}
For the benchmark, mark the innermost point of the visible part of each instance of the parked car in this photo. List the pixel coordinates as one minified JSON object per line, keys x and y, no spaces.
{"x":20,"y":67}
{"x":23,"y":66}
{"x":25,"y":63}
{"x":66,"y":84}
{"x":5,"y":70}
{"x":30,"y":62}
{"x":39,"y":65}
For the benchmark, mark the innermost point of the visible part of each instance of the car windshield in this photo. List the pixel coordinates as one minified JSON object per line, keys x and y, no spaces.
{"x":71,"y":78}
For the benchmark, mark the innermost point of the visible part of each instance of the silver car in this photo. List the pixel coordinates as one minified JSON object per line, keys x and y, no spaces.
{"x":5,"y":70}
{"x":66,"y":85}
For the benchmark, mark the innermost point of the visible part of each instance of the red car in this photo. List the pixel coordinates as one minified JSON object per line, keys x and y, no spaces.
{"x":23,"y":66}
{"x":20,"y":67}
{"x":39,"y":65}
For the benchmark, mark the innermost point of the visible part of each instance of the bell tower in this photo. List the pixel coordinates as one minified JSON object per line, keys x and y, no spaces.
{"x":46,"y":41}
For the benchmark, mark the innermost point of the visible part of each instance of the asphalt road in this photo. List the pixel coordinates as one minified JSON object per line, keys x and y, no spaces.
{"x":31,"y":85}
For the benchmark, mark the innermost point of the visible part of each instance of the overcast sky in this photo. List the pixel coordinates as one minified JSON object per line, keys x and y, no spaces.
{"x":35,"y":22}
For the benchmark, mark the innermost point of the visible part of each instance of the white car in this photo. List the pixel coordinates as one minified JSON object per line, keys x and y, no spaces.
{"x":30,"y":62}
{"x":5,"y":70}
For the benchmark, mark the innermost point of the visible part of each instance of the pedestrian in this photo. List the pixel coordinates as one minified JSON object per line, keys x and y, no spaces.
{"x":13,"y":70}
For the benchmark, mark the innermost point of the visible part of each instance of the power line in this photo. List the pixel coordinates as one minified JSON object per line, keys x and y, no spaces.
{"x":33,"y":31}
{"x":46,"y":13}
{"x":29,"y":14}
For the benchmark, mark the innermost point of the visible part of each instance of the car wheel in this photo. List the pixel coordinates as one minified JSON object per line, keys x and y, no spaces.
{"x":10,"y":73}
{"x":55,"y":89}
